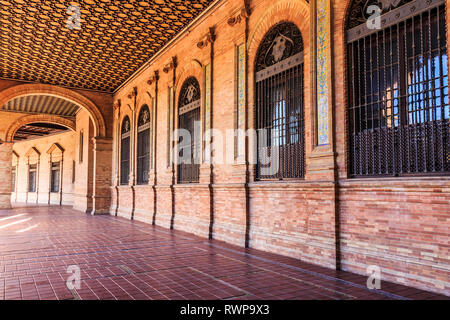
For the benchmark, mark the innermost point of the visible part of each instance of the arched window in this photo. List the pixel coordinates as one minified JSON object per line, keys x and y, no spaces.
{"x":397,"y":88}
{"x":125,"y":152}
{"x":280,"y":104}
{"x":143,"y":145}
{"x":189,"y":116}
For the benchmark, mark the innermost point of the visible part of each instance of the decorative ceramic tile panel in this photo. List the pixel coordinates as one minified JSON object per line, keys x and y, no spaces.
{"x":241,"y":98}
{"x":322,"y":72}
{"x":170,"y":127}
{"x":207,"y":107}
{"x":152,"y":160}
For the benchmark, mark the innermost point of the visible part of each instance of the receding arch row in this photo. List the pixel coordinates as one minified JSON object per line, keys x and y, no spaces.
{"x":42,"y":118}
{"x":67,"y":94}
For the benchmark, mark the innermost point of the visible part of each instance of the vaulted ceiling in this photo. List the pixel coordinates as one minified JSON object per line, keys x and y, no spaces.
{"x":44,"y":41}
{"x":41,"y":104}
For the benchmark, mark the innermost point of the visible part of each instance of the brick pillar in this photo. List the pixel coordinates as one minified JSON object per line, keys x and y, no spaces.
{"x":102,"y":175}
{"x":321,"y":156}
{"x":6,"y":152}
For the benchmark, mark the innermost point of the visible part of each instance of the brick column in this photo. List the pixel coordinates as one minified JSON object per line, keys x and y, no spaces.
{"x":102,"y":175}
{"x":6,"y":152}
{"x":321,"y":160}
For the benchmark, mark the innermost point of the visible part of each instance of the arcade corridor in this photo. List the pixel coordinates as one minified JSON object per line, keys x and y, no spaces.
{"x":123,"y":259}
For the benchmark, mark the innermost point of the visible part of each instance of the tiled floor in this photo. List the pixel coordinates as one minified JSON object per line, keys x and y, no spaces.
{"x":122,"y":259}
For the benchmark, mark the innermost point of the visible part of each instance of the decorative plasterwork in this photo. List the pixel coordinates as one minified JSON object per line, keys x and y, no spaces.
{"x":390,"y":17}
{"x":144,"y":118}
{"x":133,"y":93}
{"x":132,"y":96}
{"x":116,"y":108}
{"x":171,"y":65}
{"x":154,"y":78}
{"x":209,"y":38}
{"x":57,"y":147}
{"x":87,"y":44}
{"x":126,"y":127}
{"x":33,"y":151}
{"x":359,"y":12}
{"x":243,"y":14}
{"x":281,"y":42}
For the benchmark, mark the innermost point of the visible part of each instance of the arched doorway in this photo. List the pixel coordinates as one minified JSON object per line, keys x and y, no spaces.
{"x":52,"y":106}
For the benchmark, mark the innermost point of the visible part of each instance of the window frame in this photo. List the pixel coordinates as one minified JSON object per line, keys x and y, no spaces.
{"x":383,"y":139}
{"x":282,"y":75}
{"x":55,"y":167}
{"x":143,"y":142}
{"x":189,"y":112}
{"x":125,"y":144}
{"x":32,"y":170}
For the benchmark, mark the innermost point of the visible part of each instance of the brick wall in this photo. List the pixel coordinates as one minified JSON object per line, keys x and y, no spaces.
{"x":402,"y":225}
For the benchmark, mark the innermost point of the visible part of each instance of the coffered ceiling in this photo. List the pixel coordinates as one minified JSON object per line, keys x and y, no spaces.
{"x":87,"y":44}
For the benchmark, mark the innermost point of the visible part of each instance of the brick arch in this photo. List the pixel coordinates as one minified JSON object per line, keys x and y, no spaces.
{"x":122,"y":122}
{"x":192,"y":69}
{"x":45,"y":118}
{"x":296,"y":11}
{"x":144,"y":99}
{"x":64,"y":93}
{"x":195,"y":69}
{"x":125,"y":110}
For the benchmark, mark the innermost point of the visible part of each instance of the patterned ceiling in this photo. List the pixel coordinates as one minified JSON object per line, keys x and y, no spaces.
{"x":40,"y":104}
{"x":37,"y":130}
{"x":87,"y":44}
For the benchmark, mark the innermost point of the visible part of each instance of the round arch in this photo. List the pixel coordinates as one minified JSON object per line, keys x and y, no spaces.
{"x":145,"y":99}
{"x":43,"y":118}
{"x":192,"y":69}
{"x":64,"y":93}
{"x":297,"y":12}
{"x":294,"y":11}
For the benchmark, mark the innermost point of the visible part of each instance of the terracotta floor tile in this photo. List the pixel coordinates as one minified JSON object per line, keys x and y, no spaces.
{"x":122,"y":259}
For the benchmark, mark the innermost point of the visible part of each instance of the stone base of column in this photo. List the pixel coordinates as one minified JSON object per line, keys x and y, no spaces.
{"x":5,"y":173}
{"x":5,"y":201}
{"x":101,"y":200}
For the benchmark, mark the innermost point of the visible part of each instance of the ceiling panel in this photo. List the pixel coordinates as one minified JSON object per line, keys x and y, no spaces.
{"x":37,"y":130}
{"x":43,"y":41}
{"x":34,"y":104}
